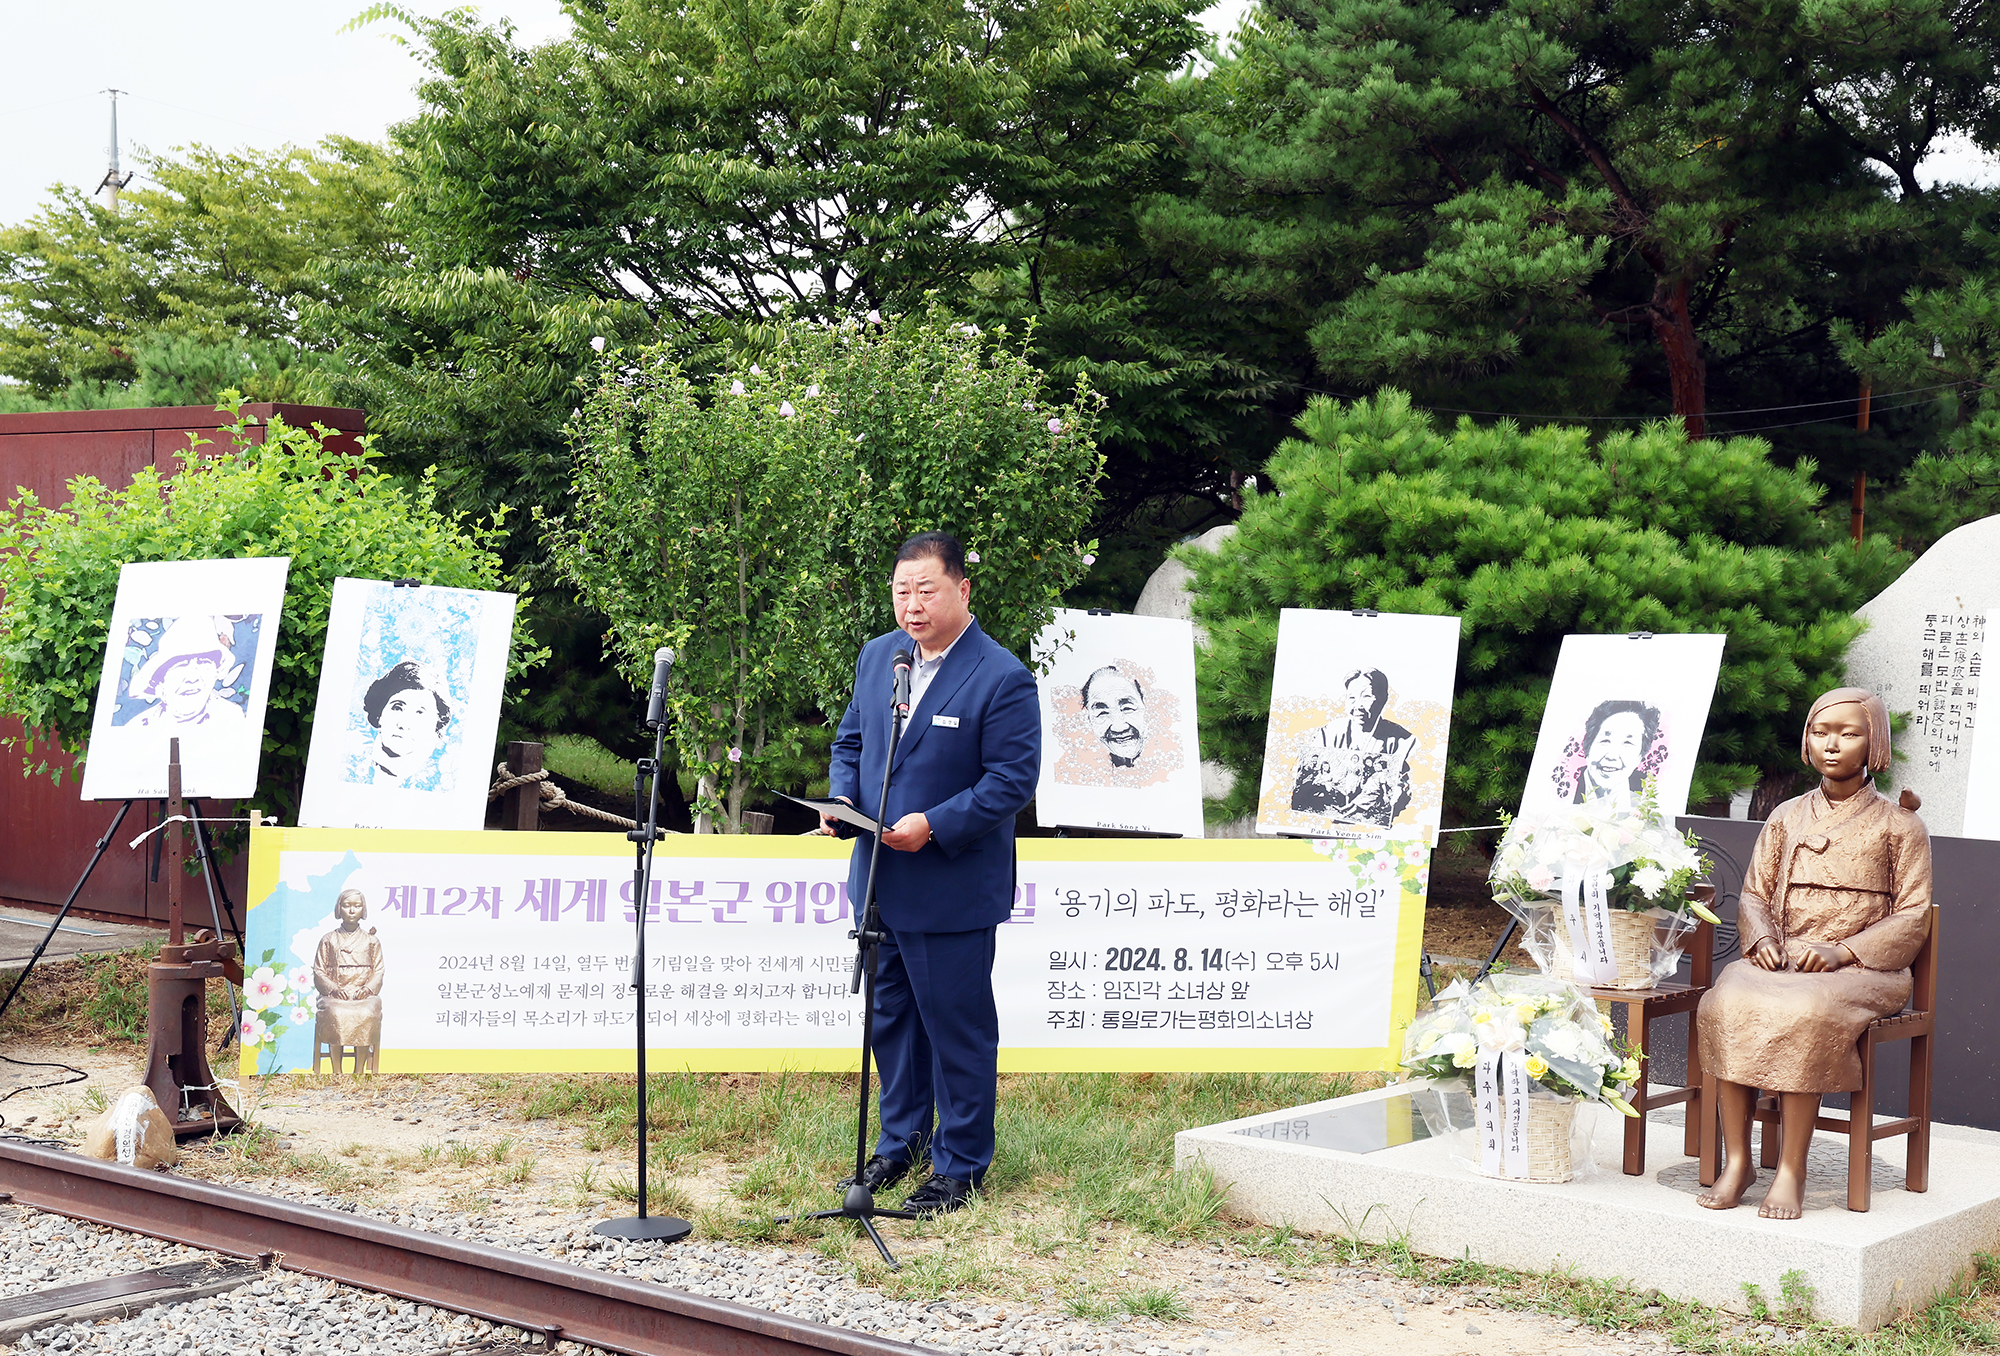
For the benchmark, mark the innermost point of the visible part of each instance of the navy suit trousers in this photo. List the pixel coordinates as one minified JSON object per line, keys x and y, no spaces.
{"x":937,"y":1040}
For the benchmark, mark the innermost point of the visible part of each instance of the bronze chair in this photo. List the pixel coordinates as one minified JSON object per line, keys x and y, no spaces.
{"x":1916,"y":1024}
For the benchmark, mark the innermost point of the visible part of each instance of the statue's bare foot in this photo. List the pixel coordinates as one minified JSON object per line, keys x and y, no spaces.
{"x":1785,"y":1199}
{"x":1730,"y":1184}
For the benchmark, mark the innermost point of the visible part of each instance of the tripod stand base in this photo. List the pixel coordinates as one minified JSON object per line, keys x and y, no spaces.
{"x":651,"y":1229}
{"x":859,"y":1205}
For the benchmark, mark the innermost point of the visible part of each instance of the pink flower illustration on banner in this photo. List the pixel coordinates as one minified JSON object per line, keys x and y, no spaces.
{"x":1382,"y":866}
{"x":972,"y":557}
{"x":300,"y":1016}
{"x":736,"y":755}
{"x":253,"y":1029}
{"x":262,"y":989}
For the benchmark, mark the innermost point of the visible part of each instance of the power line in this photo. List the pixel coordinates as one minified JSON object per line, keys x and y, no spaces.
{"x":35,"y":108}
{"x":1846,"y":401}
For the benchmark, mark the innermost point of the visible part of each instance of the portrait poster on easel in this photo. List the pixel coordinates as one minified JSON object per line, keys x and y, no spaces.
{"x":1622,"y":709}
{"x":409,"y":707}
{"x":188,"y":656}
{"x":1360,"y":720}
{"x":1119,"y":745}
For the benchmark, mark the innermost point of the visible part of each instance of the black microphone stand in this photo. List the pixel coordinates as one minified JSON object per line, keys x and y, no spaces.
{"x":858,"y":1204}
{"x":646,"y":817}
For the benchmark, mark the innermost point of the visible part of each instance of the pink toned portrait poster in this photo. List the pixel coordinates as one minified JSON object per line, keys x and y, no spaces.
{"x":1119,"y":747}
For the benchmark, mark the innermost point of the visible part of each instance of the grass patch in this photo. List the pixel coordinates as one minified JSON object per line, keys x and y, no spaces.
{"x":1165,"y":1305}
{"x":96,"y":1000}
{"x":582,"y":759}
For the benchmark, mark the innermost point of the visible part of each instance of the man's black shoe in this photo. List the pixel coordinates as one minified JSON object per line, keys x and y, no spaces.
{"x":879,"y":1175}
{"x":939,"y":1196}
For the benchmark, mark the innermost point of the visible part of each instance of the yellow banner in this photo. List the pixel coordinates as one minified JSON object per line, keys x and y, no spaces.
{"x":504,"y":952}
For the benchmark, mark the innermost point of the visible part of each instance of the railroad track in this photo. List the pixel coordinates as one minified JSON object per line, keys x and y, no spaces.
{"x":252,"y":1234}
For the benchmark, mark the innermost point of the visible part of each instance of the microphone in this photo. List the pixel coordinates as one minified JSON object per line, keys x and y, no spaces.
{"x":656,"y":700}
{"x":899,"y":665}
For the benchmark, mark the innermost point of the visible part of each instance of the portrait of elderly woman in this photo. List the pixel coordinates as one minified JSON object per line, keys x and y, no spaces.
{"x":1621,"y":747}
{"x":189,"y":679}
{"x":1356,"y":768}
{"x":408,"y":711}
{"x":347,"y":971}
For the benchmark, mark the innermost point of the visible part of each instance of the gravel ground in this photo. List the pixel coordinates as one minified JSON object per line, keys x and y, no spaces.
{"x":288,"y":1314}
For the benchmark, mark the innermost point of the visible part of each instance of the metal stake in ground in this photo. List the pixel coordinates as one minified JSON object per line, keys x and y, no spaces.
{"x":858,"y":1204}
{"x":644,"y":833}
{"x":177,"y":997}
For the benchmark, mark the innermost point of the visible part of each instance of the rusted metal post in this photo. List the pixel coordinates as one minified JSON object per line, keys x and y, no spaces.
{"x":176,"y":807}
{"x":177,"y":1069}
{"x":522,"y":808}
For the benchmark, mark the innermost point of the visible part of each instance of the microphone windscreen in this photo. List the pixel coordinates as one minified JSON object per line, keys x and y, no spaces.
{"x":901,"y":660}
{"x":665,"y":652}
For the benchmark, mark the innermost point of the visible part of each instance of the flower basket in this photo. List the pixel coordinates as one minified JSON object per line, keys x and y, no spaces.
{"x":1526,"y":1048}
{"x":1550,"y":1121}
{"x":1604,"y":893}
{"x":1632,"y":939}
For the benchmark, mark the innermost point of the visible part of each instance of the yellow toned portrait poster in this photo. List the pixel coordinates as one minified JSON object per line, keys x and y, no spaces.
{"x":1360,"y":721}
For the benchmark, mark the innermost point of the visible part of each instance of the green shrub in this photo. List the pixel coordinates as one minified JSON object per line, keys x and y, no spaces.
{"x":750,"y":521}
{"x":333,"y":513}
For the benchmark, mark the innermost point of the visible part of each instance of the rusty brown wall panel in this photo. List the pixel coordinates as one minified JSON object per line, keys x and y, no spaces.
{"x":46,"y":832}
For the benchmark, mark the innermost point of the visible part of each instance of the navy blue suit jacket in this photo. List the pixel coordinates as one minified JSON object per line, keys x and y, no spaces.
{"x":969,"y":779}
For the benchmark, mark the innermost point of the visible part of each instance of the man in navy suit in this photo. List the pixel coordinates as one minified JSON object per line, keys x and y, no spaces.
{"x":967,"y":765}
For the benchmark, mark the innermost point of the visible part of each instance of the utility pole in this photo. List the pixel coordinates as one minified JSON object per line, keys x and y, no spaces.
{"x":113,"y":180}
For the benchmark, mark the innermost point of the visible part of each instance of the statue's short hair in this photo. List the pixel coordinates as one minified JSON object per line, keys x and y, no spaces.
{"x":340,"y":901}
{"x":1878,"y":724}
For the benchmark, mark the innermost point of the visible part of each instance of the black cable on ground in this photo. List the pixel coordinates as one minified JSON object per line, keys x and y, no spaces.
{"x":81,"y":1076}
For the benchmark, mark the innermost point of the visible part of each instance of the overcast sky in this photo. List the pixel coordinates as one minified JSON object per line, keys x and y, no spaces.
{"x":233,"y":73}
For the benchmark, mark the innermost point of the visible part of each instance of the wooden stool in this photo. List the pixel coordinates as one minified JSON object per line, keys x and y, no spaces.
{"x":1642,"y":1008}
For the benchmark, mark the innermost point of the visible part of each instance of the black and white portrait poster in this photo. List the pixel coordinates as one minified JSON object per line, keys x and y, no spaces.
{"x":188,"y":656}
{"x":409,"y":707}
{"x":1360,"y":717}
{"x":1623,"y":709}
{"x":1119,"y":748}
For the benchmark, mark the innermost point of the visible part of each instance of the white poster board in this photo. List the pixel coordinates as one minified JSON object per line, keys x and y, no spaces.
{"x":513,"y":952}
{"x":1360,"y":721}
{"x":1120,"y":748}
{"x":1622,"y":709}
{"x":409,"y":707}
{"x":188,"y":656}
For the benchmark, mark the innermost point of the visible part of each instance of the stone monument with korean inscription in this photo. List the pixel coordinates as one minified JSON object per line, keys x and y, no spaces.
{"x":1924,"y":652}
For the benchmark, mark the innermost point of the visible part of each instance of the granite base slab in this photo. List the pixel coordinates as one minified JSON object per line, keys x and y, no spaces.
{"x":1864,"y":1268}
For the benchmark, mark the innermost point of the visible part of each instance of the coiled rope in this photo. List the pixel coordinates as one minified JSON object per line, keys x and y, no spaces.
{"x":553,"y":796}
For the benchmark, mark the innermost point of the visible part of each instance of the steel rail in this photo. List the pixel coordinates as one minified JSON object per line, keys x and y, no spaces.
{"x":517,"y":1289}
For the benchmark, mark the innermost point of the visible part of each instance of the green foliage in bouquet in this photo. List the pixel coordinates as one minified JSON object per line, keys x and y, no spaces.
{"x":332,"y":512}
{"x":1531,"y":535}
